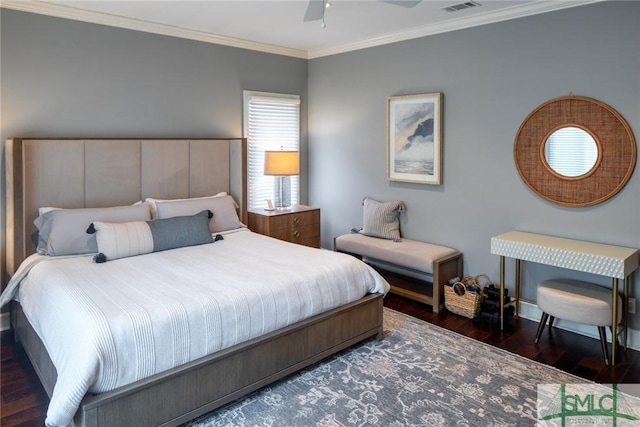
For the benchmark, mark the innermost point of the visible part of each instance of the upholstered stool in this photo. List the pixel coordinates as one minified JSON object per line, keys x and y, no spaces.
{"x":578,"y":302}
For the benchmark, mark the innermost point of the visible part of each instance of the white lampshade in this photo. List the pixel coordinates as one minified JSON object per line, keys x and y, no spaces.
{"x":281,"y":163}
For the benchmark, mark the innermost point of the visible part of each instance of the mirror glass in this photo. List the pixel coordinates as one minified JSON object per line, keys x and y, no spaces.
{"x":570,"y":151}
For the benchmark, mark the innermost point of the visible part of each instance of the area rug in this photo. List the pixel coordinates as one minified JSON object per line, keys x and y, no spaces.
{"x":418,"y":375}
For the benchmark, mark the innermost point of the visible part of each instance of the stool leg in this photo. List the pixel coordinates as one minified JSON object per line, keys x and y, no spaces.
{"x":614,"y":334}
{"x":603,"y":341}
{"x":551,"y":319}
{"x":543,"y":321}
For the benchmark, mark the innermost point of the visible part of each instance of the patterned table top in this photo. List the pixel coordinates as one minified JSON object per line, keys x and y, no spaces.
{"x":597,"y":258}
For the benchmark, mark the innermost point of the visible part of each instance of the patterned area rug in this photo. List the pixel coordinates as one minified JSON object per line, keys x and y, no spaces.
{"x":418,"y":375}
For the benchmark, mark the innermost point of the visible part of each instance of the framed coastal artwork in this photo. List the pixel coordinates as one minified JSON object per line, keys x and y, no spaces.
{"x":414,"y":138}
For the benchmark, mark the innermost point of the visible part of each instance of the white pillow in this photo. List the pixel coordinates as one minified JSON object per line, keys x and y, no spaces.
{"x":123,"y":240}
{"x":142,"y":237}
{"x":64,"y":231}
{"x":154,"y":210}
{"x":224,"y":209}
{"x":44,"y":209}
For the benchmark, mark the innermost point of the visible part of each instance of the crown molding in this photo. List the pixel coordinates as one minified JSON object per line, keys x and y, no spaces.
{"x":518,"y":11}
{"x":67,"y":12}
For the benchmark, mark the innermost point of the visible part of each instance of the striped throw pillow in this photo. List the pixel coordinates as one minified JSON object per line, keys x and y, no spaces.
{"x":381,"y":219}
{"x":142,"y":237}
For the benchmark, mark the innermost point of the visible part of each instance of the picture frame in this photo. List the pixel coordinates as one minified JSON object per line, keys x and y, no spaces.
{"x":414,"y":138}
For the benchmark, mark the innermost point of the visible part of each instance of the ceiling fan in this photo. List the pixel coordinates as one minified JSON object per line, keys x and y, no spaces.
{"x":316,"y":8}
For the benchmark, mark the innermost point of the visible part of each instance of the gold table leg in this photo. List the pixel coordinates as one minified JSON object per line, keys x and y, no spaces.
{"x":502,"y":292}
{"x":614,"y":322}
{"x":517,"y":292}
{"x":625,"y":319}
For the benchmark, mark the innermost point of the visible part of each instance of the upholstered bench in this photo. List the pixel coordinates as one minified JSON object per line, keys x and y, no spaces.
{"x":417,"y":263}
{"x":578,"y":302}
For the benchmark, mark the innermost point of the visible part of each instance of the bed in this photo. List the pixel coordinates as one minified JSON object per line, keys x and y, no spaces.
{"x":102,"y":173}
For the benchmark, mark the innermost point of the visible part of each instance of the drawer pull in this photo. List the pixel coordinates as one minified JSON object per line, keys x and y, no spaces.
{"x":296,"y":234}
{"x":296,"y":220}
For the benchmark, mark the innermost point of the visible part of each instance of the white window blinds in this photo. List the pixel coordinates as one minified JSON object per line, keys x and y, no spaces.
{"x":570,"y":151}
{"x":271,"y":122}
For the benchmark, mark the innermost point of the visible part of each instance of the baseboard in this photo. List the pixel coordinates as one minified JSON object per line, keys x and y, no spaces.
{"x":532,"y":312}
{"x":5,"y":322}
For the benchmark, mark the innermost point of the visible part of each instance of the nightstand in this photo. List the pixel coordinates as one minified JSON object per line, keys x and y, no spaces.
{"x":298,"y":224}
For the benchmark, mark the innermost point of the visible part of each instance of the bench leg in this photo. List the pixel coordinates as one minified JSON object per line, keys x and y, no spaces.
{"x":443,"y":270}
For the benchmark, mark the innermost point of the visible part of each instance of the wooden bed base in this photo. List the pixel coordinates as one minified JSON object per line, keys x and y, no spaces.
{"x":186,"y":392}
{"x":89,"y":173}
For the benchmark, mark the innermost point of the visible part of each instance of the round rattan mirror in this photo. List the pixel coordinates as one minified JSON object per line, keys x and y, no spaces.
{"x":571,"y":127}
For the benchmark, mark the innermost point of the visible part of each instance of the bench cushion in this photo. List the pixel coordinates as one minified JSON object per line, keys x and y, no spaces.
{"x":577,"y":301}
{"x":405,"y":253}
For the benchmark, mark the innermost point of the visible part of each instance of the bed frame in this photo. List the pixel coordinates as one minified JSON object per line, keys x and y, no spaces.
{"x":75,"y":173}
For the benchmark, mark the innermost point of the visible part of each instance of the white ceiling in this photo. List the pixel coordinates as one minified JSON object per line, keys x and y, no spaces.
{"x":278,"y":27}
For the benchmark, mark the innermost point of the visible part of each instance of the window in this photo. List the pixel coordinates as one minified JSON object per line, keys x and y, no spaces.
{"x":271,"y":122}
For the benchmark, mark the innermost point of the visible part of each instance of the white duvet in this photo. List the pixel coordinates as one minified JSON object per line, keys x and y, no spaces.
{"x":107,"y":325}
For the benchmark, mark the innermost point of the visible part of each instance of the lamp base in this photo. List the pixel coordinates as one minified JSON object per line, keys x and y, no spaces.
{"x":283,"y":192}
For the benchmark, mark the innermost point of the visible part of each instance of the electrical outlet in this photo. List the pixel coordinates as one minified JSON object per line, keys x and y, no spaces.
{"x":632,"y":306}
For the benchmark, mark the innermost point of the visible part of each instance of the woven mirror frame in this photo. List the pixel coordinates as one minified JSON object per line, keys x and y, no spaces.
{"x":616,"y":151}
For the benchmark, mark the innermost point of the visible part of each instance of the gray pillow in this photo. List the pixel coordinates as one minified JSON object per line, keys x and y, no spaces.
{"x":381,"y":219}
{"x":152,"y":202}
{"x":142,"y":237}
{"x":64,"y":231}
{"x":224,"y":208}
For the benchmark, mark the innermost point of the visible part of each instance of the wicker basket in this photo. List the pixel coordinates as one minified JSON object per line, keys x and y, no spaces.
{"x":458,"y":300}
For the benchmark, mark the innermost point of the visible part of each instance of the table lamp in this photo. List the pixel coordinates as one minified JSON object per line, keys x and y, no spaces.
{"x":282,"y":164}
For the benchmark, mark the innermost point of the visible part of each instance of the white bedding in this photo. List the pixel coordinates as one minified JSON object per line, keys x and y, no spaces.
{"x":107,"y":325}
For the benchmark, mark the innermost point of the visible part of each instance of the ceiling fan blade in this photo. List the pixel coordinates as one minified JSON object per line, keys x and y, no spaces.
{"x":403,"y":3}
{"x":315,"y":10}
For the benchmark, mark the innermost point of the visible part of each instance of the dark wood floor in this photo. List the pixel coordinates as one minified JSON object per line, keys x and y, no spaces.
{"x":24,"y":402}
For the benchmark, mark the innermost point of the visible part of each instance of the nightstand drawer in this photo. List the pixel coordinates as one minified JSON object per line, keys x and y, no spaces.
{"x":295,"y":219}
{"x":297,"y":234}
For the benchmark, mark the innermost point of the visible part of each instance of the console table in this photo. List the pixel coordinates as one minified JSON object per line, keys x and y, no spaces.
{"x":612,"y":261}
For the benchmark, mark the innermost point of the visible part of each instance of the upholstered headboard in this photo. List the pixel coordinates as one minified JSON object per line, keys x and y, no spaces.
{"x":85,"y":172}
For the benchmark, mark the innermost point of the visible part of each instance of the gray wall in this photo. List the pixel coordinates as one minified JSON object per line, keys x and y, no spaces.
{"x":492,"y":77}
{"x":71,"y":79}
{"x":66,"y":78}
